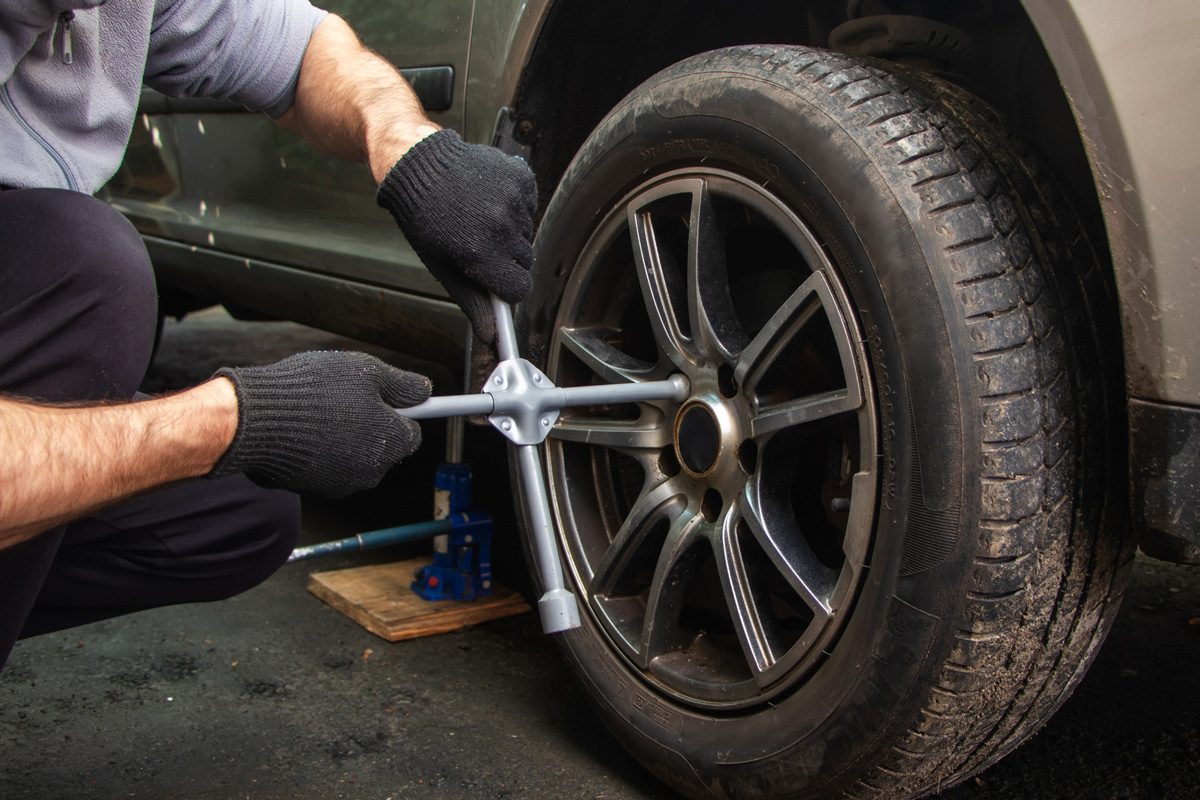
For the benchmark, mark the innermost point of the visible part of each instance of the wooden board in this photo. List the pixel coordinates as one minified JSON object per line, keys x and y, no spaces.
{"x":378,"y":597}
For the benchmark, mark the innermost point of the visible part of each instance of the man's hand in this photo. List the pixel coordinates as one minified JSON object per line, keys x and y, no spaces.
{"x":467,"y":210}
{"x":322,"y":422}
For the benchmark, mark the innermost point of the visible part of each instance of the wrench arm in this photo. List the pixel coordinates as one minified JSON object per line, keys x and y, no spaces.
{"x":454,"y":405}
{"x":523,"y":404}
{"x":548,"y":398}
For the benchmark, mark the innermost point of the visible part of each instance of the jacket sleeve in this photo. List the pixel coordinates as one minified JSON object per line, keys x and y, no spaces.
{"x":23,"y":21}
{"x":248,"y":51}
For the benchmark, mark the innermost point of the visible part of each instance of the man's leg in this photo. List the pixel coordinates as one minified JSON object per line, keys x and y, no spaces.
{"x":77,"y":314}
{"x":77,"y":317}
{"x":188,"y":542}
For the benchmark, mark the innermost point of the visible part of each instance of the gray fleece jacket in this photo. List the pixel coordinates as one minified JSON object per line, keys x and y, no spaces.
{"x":71,"y":72}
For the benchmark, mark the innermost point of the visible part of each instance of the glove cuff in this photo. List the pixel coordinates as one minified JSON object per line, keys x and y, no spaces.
{"x":271,"y":446}
{"x":418,"y":171}
{"x":225,"y":464}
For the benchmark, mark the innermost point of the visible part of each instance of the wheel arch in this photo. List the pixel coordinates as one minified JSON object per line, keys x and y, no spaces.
{"x":1116,"y":69}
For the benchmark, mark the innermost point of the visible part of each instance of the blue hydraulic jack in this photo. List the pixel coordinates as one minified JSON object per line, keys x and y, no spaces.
{"x":462,"y":558}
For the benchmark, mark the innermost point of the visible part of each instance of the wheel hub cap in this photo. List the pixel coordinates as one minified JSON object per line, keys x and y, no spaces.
{"x":697,"y":438}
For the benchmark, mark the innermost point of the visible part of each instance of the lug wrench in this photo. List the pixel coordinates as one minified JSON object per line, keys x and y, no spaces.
{"x":521,"y":402}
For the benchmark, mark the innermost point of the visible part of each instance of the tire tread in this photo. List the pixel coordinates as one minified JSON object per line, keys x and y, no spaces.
{"x":1037,"y":603}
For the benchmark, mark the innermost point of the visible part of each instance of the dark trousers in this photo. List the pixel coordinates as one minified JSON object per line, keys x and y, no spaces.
{"x":78,"y":309}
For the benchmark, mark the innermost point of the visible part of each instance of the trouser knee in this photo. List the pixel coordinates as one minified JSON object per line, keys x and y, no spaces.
{"x":190,"y":542}
{"x":272,"y":529}
{"x":79,"y":306}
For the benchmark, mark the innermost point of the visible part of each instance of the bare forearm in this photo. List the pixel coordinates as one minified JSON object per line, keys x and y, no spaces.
{"x":57,"y":464}
{"x":353,"y":104}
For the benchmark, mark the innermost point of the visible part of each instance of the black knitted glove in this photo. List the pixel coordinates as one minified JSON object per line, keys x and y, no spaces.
{"x":321,"y":422}
{"x":467,"y":210}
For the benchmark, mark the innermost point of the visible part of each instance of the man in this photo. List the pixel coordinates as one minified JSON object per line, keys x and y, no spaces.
{"x":84,"y":533}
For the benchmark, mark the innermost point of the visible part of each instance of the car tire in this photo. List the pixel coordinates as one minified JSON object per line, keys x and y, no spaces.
{"x":870,"y":553}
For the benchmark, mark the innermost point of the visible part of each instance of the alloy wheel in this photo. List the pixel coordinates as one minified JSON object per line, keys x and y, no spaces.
{"x":719,"y":542}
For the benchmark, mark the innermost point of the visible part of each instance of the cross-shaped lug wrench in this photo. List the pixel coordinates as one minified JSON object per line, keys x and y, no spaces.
{"x":521,"y":402}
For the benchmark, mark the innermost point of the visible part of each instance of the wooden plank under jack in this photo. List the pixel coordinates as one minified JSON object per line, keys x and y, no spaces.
{"x":378,"y":597}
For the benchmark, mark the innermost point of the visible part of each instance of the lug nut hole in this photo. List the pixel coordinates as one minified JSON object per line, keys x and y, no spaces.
{"x":668,"y":464}
{"x":725,"y":381}
{"x":711,"y":505}
{"x":748,"y":456}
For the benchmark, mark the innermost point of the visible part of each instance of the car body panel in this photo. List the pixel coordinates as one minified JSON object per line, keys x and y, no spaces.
{"x":1130,"y":72}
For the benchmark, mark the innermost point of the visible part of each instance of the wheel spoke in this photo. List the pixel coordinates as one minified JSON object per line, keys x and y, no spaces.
{"x":715,"y":325}
{"x":647,"y":433}
{"x":784,"y":545}
{"x":672,"y":575}
{"x":741,"y":598}
{"x":659,"y":283}
{"x":662,"y":500}
{"x":812,"y":295}
{"x":590,"y":346}
{"x":797,"y":412}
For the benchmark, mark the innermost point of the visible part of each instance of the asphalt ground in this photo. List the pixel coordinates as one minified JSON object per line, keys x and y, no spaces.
{"x":274,"y":695}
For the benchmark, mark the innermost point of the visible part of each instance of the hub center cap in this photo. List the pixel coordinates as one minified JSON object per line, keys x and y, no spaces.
{"x":697,"y":438}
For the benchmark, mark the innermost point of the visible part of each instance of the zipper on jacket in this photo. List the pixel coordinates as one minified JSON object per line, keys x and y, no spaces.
{"x":7,"y":100}
{"x":64,"y":20}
